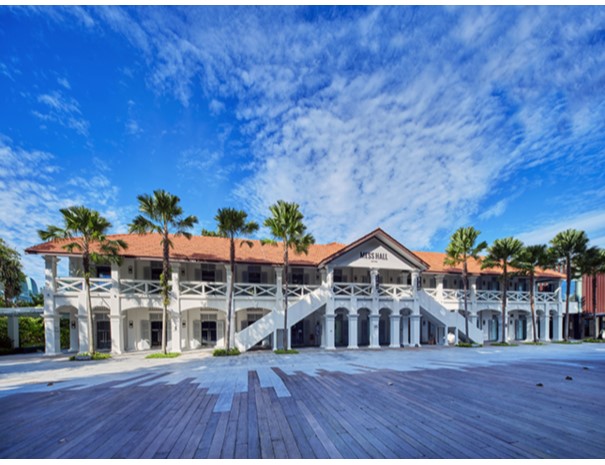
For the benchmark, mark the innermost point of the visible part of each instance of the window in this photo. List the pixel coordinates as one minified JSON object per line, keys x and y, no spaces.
{"x":298,"y":276}
{"x":208,"y":272}
{"x":338,"y":275}
{"x":103,"y":271}
{"x":254,"y":274}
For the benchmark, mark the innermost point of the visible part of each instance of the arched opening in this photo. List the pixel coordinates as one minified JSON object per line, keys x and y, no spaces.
{"x":341,"y":327}
{"x":101,"y":325}
{"x":144,"y":328}
{"x":69,"y":331}
{"x":246,"y":317}
{"x":384,"y":327}
{"x":489,"y":322}
{"x":363,"y":327}
{"x":520,"y":325}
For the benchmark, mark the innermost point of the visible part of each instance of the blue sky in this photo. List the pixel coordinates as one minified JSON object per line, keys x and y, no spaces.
{"x":417,"y":120}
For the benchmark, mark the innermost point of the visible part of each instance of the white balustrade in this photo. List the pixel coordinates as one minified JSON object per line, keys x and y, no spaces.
{"x":100,"y":285}
{"x":300,"y":290}
{"x":352,"y":290}
{"x":517,"y":296}
{"x":140,"y":287}
{"x":395,"y":291}
{"x":547,"y":297}
{"x":489,"y":296}
{"x":455,"y":294}
{"x":203,"y":288}
{"x":255,"y":290}
{"x":431,"y":291}
{"x":69,"y":285}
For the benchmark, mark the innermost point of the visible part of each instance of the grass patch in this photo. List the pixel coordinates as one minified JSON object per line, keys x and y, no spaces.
{"x":163,"y":355}
{"x":283,"y":351}
{"x":503,"y":344}
{"x":84,"y":356}
{"x":225,"y":352}
{"x":594,"y":341}
{"x":566,"y":342}
{"x":533,"y":343}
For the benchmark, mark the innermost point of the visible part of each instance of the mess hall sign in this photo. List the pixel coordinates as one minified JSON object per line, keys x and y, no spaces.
{"x":374,"y":256}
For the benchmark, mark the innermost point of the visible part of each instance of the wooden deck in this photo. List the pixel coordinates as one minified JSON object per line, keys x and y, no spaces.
{"x":480,"y":412}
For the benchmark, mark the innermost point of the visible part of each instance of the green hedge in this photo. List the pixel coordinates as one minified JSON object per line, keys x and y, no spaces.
{"x":163,"y":355}
{"x":225,"y":352}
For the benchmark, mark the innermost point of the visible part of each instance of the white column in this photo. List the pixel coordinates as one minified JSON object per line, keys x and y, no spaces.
{"x":405,"y":324}
{"x":50,"y":334}
{"x":82,"y":324}
{"x":50,"y":274}
{"x":472,"y":280}
{"x":557,"y":327}
{"x":115,"y":314}
{"x":329,"y":331}
{"x":472,"y":320}
{"x":230,"y":324}
{"x":174,"y":314}
{"x":529,"y":333}
{"x":374,"y":323}
{"x":13,"y":330}
{"x":415,"y":330}
{"x":439,"y":279}
{"x":353,"y":317}
{"x":544,"y":326}
{"x":395,"y":330}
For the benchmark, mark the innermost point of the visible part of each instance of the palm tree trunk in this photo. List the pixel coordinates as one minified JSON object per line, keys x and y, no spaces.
{"x":86,"y":268}
{"x":465,"y":280}
{"x":532,"y":305}
{"x":165,"y":296}
{"x":594,"y":305}
{"x":230,"y":298}
{"x":286,"y":297}
{"x":504,"y":289}
{"x":568,"y":270}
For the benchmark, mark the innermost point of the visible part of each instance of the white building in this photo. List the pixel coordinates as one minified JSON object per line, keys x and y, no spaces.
{"x":371,"y":293}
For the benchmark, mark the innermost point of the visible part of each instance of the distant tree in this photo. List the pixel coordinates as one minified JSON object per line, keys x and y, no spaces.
{"x":86,"y":231}
{"x":11,"y":273}
{"x":501,"y":254}
{"x":567,"y":247}
{"x":591,"y":263}
{"x":286,"y":226}
{"x":162,"y":214}
{"x":232,"y":223}
{"x":529,"y":260}
{"x":461,"y":248}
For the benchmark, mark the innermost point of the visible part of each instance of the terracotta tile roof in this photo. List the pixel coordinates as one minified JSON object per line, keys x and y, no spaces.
{"x":216,"y":249}
{"x":202,"y":248}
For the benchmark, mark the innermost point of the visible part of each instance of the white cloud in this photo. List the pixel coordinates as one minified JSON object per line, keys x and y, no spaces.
{"x":133,"y":128}
{"x":64,"y":82}
{"x":63,"y":110}
{"x":216,"y":107}
{"x":592,"y":222}
{"x":32,"y":190}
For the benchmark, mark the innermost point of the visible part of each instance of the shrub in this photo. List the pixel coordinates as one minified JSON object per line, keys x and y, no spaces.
{"x":163,"y":355}
{"x":566,"y":342}
{"x":533,"y":343}
{"x":593,"y":340}
{"x":503,"y":344}
{"x":283,"y":351}
{"x":225,"y":352}
{"x":84,"y":356}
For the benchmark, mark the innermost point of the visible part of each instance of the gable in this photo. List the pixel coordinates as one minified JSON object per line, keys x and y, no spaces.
{"x":373,"y":253}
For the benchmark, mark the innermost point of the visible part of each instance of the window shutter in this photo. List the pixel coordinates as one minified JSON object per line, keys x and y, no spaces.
{"x":306,"y":278}
{"x":218,"y":276}
{"x":147,"y":273}
{"x":198,"y":274}
{"x":220,"y":330}
{"x":264,"y":278}
{"x":145,"y":331}
{"x":245,"y":276}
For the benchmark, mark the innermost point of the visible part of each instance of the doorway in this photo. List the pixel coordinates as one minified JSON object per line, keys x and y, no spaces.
{"x":103,"y":335}
{"x":156,"y":333}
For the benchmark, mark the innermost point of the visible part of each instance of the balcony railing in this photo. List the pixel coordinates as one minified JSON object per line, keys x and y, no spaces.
{"x":455,"y":295}
{"x":300,"y":290}
{"x":203,"y":288}
{"x":254,"y":290}
{"x":69,"y":285}
{"x":140,"y":287}
{"x":395,"y":291}
{"x":352,"y":290}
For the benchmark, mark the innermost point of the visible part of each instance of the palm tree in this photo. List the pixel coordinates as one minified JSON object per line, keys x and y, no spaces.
{"x":286,"y":226}
{"x":162,"y":214}
{"x":87,"y":231}
{"x":11,"y":272}
{"x":591,"y":263}
{"x":567,"y":246}
{"x":501,"y":255}
{"x":232,"y":223}
{"x":531,"y":258}
{"x":459,"y":250}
